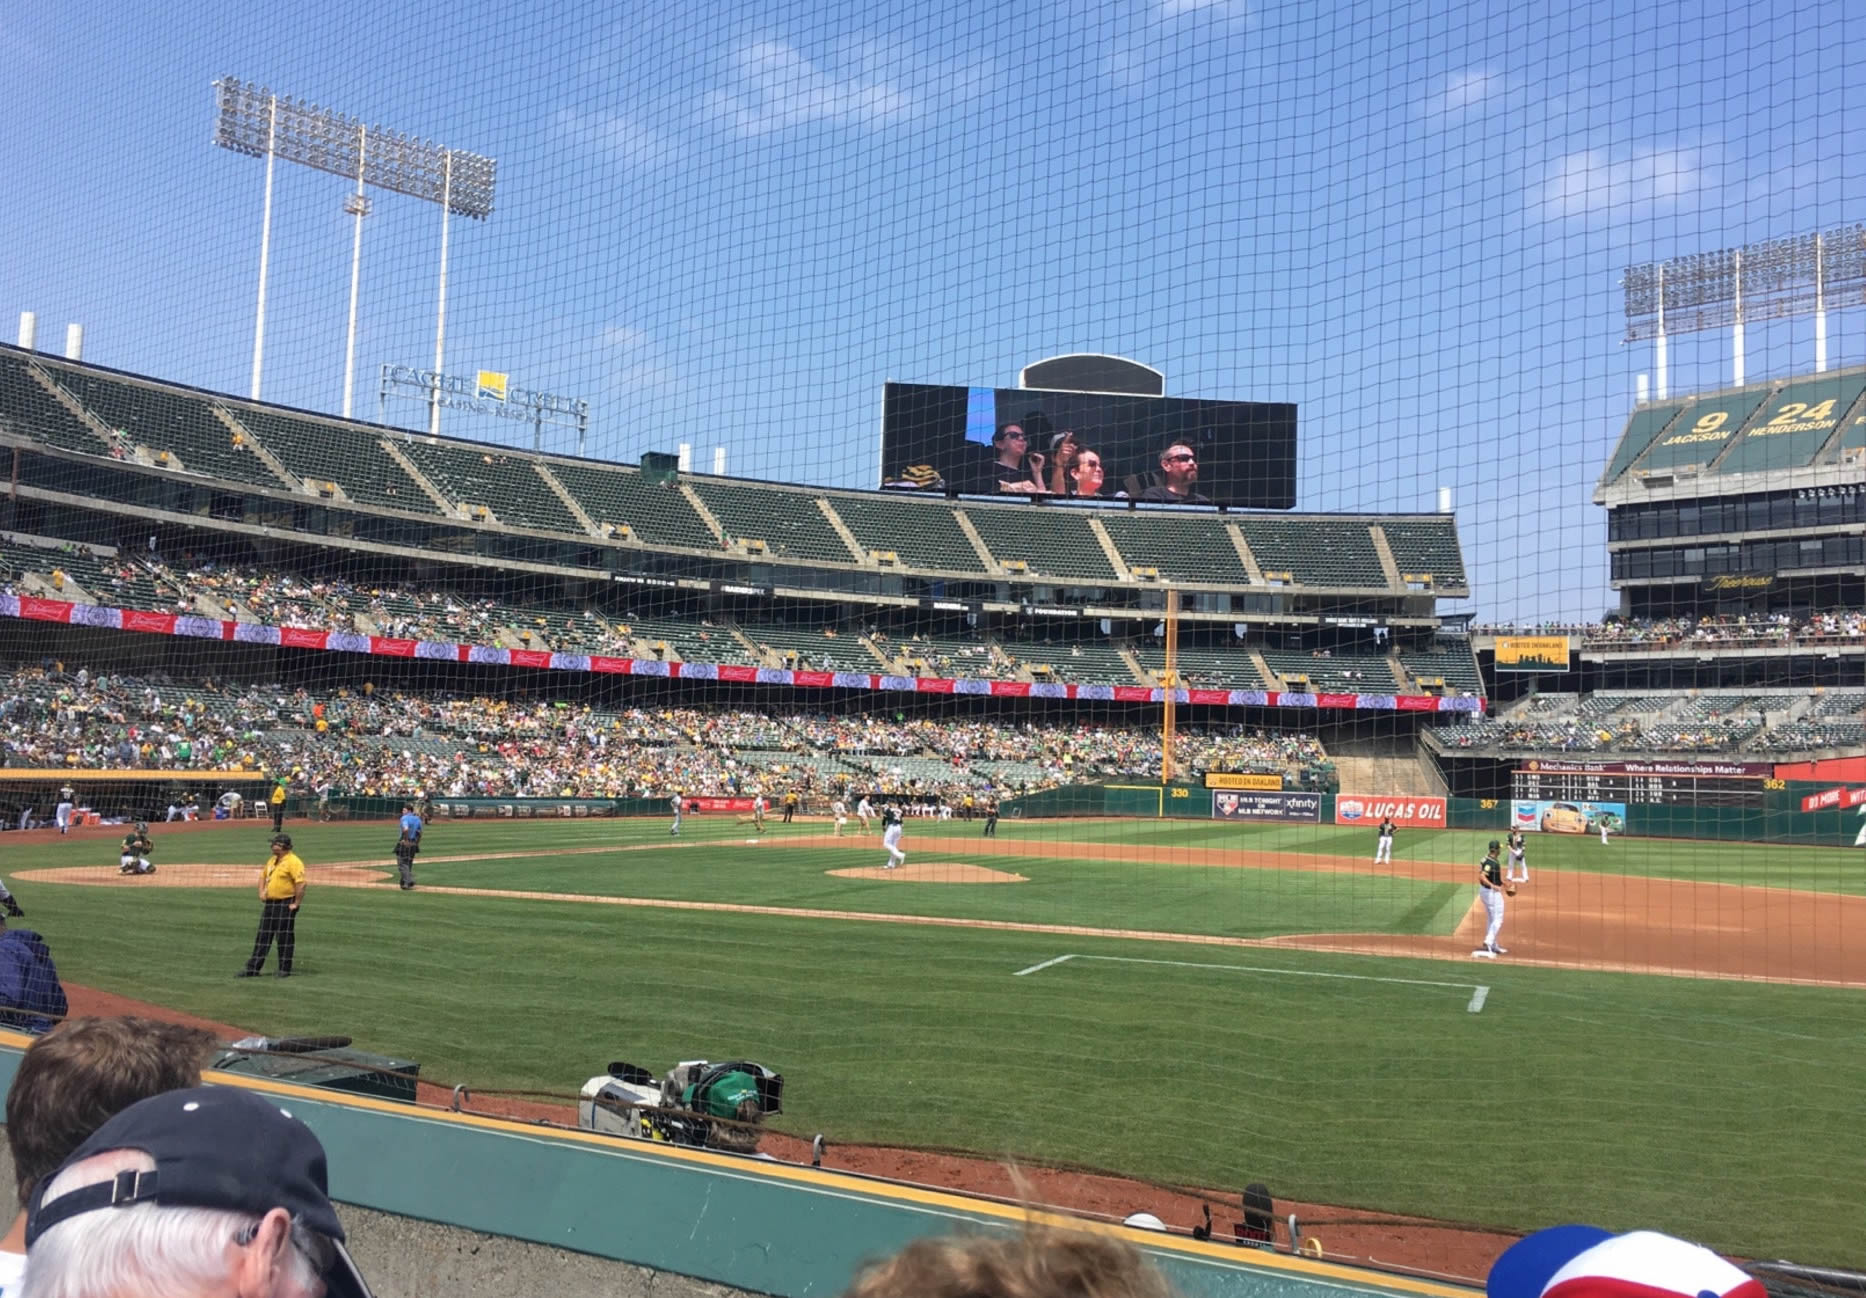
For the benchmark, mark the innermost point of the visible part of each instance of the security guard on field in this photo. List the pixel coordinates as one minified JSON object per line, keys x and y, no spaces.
{"x":281,"y":889}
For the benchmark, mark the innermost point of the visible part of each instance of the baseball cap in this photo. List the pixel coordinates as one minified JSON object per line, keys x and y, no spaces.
{"x":213,"y":1147}
{"x":1588,"y":1262}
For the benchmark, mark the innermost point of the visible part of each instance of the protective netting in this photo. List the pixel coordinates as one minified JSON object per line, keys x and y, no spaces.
{"x":1458,"y":421}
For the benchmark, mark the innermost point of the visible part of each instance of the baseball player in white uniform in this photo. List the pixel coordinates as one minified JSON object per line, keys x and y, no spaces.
{"x":677,"y":803}
{"x":1518,"y":869}
{"x":758,"y":812}
{"x":840,"y":810}
{"x":864,"y":812}
{"x":891,"y":829}
{"x":66,"y":799}
{"x":1603,"y":831}
{"x":1383,"y":845}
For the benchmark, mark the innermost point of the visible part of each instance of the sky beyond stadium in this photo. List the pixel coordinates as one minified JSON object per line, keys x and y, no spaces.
{"x":729,"y":224}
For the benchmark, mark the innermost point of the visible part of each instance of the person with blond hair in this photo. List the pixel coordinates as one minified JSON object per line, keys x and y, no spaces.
{"x":1033,"y":1264}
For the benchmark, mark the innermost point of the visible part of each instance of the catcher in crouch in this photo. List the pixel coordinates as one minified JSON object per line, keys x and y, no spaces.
{"x":136,"y":848}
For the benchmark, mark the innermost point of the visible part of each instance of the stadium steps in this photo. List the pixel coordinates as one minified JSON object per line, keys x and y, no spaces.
{"x":243,"y":436}
{"x":409,"y":467}
{"x":841,"y":529}
{"x":1249,"y":561}
{"x":1109,"y":548}
{"x":1388,"y":565}
{"x":569,"y":501}
{"x":1263,"y":668}
{"x":692,"y":498}
{"x":875,"y":650}
{"x":753,"y":652}
{"x":74,"y":407}
{"x":1134,"y":665}
{"x":978,"y":542}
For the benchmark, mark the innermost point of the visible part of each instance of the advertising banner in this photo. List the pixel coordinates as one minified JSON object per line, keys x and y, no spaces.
{"x":1833,"y":798}
{"x":1407,"y":813}
{"x":1302,"y":807}
{"x":1532,"y":653}
{"x":1243,"y":780}
{"x":1688,"y":770}
{"x":1567,"y":817}
{"x":719,"y":804}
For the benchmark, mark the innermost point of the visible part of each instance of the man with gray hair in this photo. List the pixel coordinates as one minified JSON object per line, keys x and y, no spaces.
{"x":208,"y":1191}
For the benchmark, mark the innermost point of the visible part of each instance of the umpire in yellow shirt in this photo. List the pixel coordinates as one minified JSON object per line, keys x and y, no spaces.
{"x":281,"y":888}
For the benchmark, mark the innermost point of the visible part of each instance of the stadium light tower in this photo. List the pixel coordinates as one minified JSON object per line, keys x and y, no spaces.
{"x":258,"y":123}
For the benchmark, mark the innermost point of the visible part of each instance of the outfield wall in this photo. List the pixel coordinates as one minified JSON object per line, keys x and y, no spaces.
{"x":488,"y":1208}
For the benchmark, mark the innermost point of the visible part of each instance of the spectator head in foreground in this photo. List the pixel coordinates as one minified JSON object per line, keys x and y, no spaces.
{"x":1596,"y":1262}
{"x":207,"y":1191}
{"x":1034,"y":1264}
{"x":82,"y":1073}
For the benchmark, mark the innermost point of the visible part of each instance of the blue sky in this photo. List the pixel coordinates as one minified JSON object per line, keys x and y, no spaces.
{"x":728,"y":225}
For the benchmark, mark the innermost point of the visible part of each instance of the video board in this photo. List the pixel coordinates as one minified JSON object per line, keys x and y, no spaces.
{"x":1155,"y":450}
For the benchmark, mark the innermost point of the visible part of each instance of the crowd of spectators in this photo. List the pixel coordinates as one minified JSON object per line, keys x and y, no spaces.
{"x":1760,"y":630}
{"x":365,"y":742}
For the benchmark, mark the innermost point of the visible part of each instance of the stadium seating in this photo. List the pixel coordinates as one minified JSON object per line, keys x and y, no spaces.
{"x":321,"y":450}
{"x":169,"y":420}
{"x":1701,"y":433}
{"x":1205,"y":668}
{"x":1194,"y":548}
{"x":114,"y":582}
{"x":921,"y":534}
{"x":501,"y":480}
{"x":1793,"y":425}
{"x":654,"y":514}
{"x":950,"y":657}
{"x":1337,"y":673}
{"x":1839,"y":703}
{"x":1449,"y":660}
{"x":813,"y":650}
{"x":1641,"y":430}
{"x":28,"y":410}
{"x":1052,"y":542}
{"x":788,"y":522}
{"x":1084,"y":662}
{"x":1315,"y":551}
{"x":1426,"y":546}
{"x":690,"y":641}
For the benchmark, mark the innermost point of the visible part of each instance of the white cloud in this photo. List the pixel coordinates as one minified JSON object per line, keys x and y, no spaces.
{"x":633,"y":365}
{"x":773,"y":86}
{"x":1228,"y":9}
{"x":1595,"y":181}
{"x":1460,"y":92}
{"x":621,"y":138}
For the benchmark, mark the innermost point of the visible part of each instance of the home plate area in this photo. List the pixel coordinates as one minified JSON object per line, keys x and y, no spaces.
{"x":932,"y":872}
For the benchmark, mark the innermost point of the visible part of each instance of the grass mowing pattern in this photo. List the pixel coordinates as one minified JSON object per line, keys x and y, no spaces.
{"x":1614,"y":1098}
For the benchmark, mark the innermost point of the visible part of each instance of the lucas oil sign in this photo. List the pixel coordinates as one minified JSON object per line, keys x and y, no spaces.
{"x":1407,"y":813}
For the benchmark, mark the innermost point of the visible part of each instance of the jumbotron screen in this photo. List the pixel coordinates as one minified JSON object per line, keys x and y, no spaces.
{"x":1155,"y":450}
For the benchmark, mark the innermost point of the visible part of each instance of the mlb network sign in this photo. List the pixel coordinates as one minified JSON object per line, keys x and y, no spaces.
{"x":1407,"y":813}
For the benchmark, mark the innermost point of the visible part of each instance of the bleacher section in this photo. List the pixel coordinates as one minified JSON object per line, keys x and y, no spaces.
{"x":1088,"y":662}
{"x":1315,"y":551}
{"x":501,"y":480}
{"x":654,"y":514}
{"x":815,"y":651}
{"x":1205,"y":668}
{"x":923,"y":535}
{"x":1839,"y":703}
{"x":1451,"y":661}
{"x":28,"y":410}
{"x":1337,"y":673}
{"x":1426,"y":546}
{"x":1641,"y":430}
{"x":690,"y":641}
{"x":1183,"y":549}
{"x":165,"y":420}
{"x":788,"y":522}
{"x":1701,"y":434}
{"x":113,"y":582}
{"x":1052,"y":542}
{"x":328,"y":451}
{"x":949,"y":657}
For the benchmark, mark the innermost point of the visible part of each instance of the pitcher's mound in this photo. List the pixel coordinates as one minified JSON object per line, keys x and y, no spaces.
{"x":933,"y":872}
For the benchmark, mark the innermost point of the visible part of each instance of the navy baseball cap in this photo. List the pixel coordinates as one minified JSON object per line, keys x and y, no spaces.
{"x":213,"y":1147}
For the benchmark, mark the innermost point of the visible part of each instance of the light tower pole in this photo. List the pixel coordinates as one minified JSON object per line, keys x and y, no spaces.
{"x":256,"y":122}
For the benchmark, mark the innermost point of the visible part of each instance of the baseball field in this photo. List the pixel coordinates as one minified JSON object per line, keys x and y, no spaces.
{"x":1671,"y":1040}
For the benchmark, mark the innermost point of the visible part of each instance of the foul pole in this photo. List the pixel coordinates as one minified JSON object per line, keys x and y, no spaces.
{"x":1169,"y":679}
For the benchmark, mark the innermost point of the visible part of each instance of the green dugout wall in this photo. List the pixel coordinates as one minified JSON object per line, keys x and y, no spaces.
{"x":754,"y":1225}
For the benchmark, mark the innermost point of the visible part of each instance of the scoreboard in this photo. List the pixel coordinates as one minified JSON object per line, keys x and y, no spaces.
{"x":1731,"y":784}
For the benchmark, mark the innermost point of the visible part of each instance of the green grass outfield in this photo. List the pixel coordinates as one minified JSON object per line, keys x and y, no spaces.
{"x":1724,"y":1111}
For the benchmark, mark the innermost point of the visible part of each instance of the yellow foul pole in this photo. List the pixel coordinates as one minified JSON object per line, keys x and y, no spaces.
{"x":1170,"y":679}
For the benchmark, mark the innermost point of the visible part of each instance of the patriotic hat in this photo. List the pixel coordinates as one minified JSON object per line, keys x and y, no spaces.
{"x":1588,"y":1262}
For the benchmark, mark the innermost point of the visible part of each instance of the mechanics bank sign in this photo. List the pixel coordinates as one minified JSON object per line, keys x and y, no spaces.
{"x":1407,"y":813}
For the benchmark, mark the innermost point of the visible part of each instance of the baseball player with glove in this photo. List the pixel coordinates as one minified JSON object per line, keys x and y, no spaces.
{"x":1490,"y":882}
{"x":1518,"y":870}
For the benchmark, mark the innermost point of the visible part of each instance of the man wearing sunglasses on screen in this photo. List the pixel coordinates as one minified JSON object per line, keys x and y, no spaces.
{"x":1179,"y":464}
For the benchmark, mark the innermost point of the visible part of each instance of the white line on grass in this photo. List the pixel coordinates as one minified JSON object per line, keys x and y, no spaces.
{"x":1479,"y":992}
